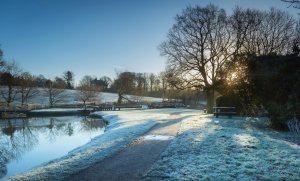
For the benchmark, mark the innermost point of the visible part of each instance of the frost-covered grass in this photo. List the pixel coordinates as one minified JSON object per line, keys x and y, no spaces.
{"x":123,"y":128}
{"x":71,"y":97}
{"x":210,"y":148}
{"x":158,"y":137}
{"x":206,"y":148}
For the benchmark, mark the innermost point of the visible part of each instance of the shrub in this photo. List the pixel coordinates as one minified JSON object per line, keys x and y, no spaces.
{"x":272,"y":83}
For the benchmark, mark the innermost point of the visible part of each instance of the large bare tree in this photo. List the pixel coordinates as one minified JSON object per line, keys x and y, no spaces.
{"x":205,"y":43}
{"x":197,"y":47}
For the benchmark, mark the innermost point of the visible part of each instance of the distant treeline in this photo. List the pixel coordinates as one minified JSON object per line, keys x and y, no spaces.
{"x":20,"y":86}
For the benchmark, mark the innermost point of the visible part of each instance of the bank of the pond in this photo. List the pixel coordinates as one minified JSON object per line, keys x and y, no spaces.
{"x":15,"y":114}
{"x":58,"y":112}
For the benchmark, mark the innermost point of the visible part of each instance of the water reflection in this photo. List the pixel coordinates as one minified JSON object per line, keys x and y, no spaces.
{"x":42,"y":138}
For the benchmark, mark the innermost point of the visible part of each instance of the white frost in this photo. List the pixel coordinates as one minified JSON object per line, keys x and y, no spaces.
{"x":208,"y":148}
{"x":71,"y":97}
{"x":123,"y":128}
{"x":158,"y":137}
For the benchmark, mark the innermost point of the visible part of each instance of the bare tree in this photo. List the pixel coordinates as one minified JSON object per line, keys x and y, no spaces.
{"x":106,"y":81}
{"x":205,"y":43}
{"x":27,"y":87}
{"x":140,"y":87}
{"x":87,"y":80}
{"x":145,"y":83}
{"x":87,"y":91}
{"x":40,"y":81}
{"x":13,"y":68}
{"x":197,"y":47}
{"x":157,"y":83}
{"x":124,"y":84}
{"x":164,"y":84}
{"x":2,"y":62}
{"x":8,"y":93}
{"x":240,"y":23}
{"x":151,"y":81}
{"x":262,"y":32}
{"x":8,"y":79}
{"x":276,"y":31}
{"x":55,"y":92}
{"x":296,"y":42}
{"x":294,"y":3}
{"x":258,"y":33}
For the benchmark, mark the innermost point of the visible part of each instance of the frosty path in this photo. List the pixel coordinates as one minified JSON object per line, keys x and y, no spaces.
{"x":136,"y":159}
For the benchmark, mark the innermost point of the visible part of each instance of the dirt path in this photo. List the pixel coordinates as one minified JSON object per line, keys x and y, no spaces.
{"x":136,"y":159}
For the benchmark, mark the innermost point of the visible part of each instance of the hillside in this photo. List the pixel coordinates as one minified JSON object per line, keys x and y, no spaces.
{"x":71,"y":97}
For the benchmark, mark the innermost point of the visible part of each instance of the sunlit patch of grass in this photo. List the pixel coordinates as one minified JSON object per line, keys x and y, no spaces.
{"x":228,"y":149}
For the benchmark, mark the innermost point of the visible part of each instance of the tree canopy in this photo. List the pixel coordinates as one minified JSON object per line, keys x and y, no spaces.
{"x":205,"y":44}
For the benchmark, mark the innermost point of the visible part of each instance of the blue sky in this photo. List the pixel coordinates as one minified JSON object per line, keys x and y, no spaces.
{"x":95,"y":37}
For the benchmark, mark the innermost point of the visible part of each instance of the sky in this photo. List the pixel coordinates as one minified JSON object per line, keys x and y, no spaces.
{"x":96,"y":37}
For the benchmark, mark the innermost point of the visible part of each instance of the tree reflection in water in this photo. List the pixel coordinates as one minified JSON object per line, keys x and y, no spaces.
{"x":19,"y":136}
{"x":91,"y":123}
{"x":16,"y":139}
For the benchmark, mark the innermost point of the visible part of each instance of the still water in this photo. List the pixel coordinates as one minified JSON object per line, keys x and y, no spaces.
{"x":27,"y":143}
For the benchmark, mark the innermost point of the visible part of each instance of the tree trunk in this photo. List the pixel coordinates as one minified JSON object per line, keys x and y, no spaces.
{"x":22,"y":97}
{"x":120,"y":99}
{"x":50,"y":100}
{"x":210,"y":100}
{"x":9,"y":97}
{"x":84,"y":105}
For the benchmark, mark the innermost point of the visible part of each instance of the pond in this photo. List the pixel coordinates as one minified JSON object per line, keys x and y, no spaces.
{"x":27,"y":143}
